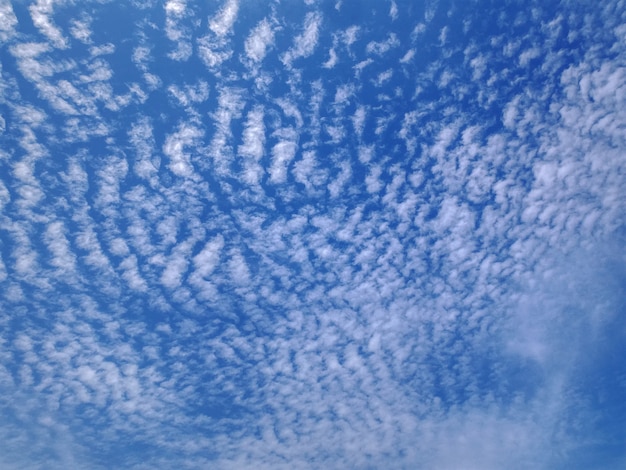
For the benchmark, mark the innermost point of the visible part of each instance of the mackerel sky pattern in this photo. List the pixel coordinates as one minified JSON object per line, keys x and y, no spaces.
{"x":312,"y":234}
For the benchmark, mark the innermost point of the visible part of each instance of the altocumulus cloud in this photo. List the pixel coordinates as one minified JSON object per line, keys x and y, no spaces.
{"x":312,"y":235}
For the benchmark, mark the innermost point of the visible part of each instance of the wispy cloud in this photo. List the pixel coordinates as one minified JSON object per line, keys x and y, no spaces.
{"x":260,"y":40}
{"x":252,"y":147}
{"x":215,"y":48}
{"x":282,"y":153}
{"x":175,"y":12}
{"x":381,"y":47}
{"x":174,"y":147}
{"x":222,"y":23}
{"x":41,"y":14}
{"x":304,"y":44}
{"x":8,"y":21}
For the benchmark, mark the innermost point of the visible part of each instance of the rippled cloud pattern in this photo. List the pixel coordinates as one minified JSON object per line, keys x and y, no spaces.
{"x":312,"y":234}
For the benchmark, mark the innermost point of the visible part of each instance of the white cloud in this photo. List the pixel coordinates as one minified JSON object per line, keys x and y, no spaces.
{"x":332,"y":60}
{"x":305,"y":43}
{"x":239,"y":271}
{"x":361,"y":65}
{"x":205,"y":262}
{"x":222,"y":23}
{"x":382,"y":47}
{"x":62,"y":256}
{"x":5,"y":196}
{"x":177,"y":264}
{"x":336,"y":270}
{"x":175,"y":7}
{"x":430,"y":9}
{"x":8,"y":21}
{"x":304,"y":170}
{"x":406,"y":58}
{"x":152,"y":80}
{"x":141,"y":136}
{"x":190,"y":94}
{"x":444,"y":139}
{"x":252,"y":148}
{"x":351,"y":35}
{"x":130,"y":273}
{"x":81,"y":31}
{"x":260,"y":40}
{"x":337,"y":186}
{"x":290,"y":109}
{"x":175,"y":12}
{"x":253,"y":144}
{"x":230,"y":105}
{"x":372,"y":181}
{"x":41,"y":13}
{"x":393,"y":10}
{"x":282,"y":153}
{"x":215,"y":48}
{"x":174,"y":147}
{"x":358,"y":120}
{"x":383,"y":77}
{"x":528,"y":55}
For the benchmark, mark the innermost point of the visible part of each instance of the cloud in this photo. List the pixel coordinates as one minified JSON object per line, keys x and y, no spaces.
{"x":383,"y":77}
{"x":245,"y":266}
{"x":215,"y":48}
{"x":381,"y":47}
{"x":41,"y":13}
{"x":222,"y":23}
{"x":252,"y":147}
{"x":282,"y":153}
{"x":408,"y":56}
{"x":230,"y":105}
{"x":8,"y":21}
{"x":174,"y":147}
{"x":393,"y":11}
{"x":260,"y":40}
{"x":332,"y":60}
{"x":190,"y":94}
{"x":81,"y":31}
{"x":175,"y":12}
{"x":358,"y":120}
{"x":254,"y":135}
{"x":305,"y":43}
{"x":206,"y":260}
{"x":62,"y":256}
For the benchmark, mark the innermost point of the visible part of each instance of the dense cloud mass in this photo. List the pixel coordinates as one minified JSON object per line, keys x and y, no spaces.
{"x":310,"y":235}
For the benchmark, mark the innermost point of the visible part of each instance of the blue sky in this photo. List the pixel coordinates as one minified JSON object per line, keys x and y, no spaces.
{"x":312,"y":234}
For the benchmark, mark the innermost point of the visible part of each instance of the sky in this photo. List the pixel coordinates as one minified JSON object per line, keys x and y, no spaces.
{"x":312,"y":235}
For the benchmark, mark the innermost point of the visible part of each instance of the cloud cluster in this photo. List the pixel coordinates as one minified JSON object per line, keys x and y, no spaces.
{"x":314,"y":237}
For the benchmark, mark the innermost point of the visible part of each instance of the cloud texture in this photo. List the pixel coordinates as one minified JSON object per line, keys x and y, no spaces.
{"x":312,"y":235}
